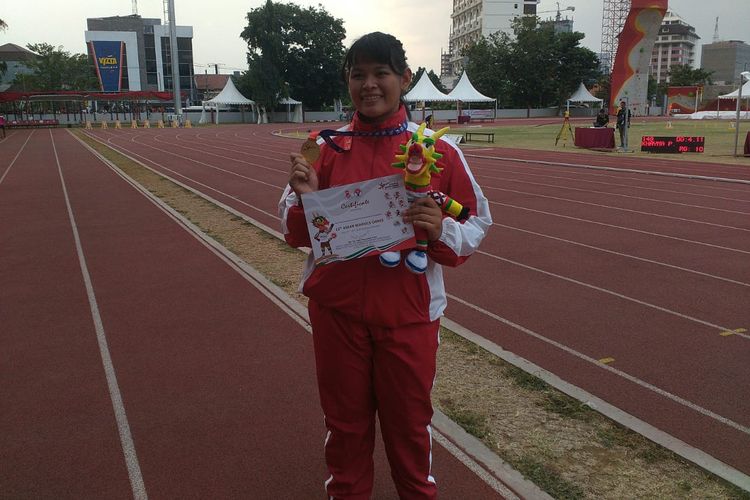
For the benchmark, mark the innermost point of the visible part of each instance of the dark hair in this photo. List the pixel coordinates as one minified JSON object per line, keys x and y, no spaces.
{"x":376,"y":47}
{"x":380,"y":48}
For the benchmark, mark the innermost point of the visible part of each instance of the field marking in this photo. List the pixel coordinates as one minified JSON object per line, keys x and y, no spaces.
{"x":15,"y":157}
{"x":610,"y":207}
{"x":616,"y":169}
{"x":577,"y":177}
{"x":613,"y":293}
{"x":595,"y":362}
{"x":123,"y":427}
{"x":641,"y":231}
{"x":640,"y":198}
{"x":620,"y":254}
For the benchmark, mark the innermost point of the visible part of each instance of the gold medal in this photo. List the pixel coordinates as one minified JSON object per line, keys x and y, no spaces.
{"x":310,"y":150}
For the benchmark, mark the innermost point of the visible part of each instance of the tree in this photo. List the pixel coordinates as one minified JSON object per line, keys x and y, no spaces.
{"x":293,"y":51}
{"x":536,"y":68}
{"x":682,"y":75}
{"x":56,"y":69}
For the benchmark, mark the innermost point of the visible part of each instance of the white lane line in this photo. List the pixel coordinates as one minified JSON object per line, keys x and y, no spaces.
{"x":620,"y":254}
{"x":613,"y":169}
{"x":684,"y":402}
{"x":606,"y":193}
{"x":699,"y":457}
{"x":614,"y":226}
{"x":616,"y":294}
{"x":578,"y":178}
{"x":621,"y":209}
{"x":666,"y":181}
{"x":237,"y":160}
{"x":123,"y":427}
{"x":15,"y":157}
{"x":158,"y":171}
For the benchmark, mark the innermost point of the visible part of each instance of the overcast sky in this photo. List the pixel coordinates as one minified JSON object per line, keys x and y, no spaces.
{"x":422,"y":26}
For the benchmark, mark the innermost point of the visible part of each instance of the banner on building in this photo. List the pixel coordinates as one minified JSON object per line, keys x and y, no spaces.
{"x":108,"y":57}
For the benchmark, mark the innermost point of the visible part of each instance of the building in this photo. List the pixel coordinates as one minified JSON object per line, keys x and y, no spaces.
{"x":560,"y":25}
{"x":14,"y":56}
{"x":726,"y":59}
{"x":675,"y":45}
{"x":143,"y":45}
{"x":474,"y":19}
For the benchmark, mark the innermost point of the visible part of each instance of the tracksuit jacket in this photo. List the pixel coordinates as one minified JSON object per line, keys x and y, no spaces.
{"x":361,"y":288}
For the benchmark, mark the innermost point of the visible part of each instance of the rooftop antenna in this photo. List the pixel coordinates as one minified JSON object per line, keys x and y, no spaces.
{"x":716,"y":30}
{"x":135,"y":7}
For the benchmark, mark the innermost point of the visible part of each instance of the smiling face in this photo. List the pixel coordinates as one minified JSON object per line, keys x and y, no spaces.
{"x":376,"y":89}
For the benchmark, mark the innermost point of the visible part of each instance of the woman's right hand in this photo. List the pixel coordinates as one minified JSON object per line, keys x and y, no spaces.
{"x":302,"y":178}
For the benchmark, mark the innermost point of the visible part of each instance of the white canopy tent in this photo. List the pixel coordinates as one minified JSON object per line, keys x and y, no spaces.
{"x":229,"y":96}
{"x":296,"y":115}
{"x":425,"y":90}
{"x":582,"y":95}
{"x":734,"y":95}
{"x":464,"y":91}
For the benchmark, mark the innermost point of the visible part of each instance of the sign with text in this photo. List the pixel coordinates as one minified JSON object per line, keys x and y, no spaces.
{"x":355,"y":220}
{"x":108,"y":57}
{"x":679,"y":144}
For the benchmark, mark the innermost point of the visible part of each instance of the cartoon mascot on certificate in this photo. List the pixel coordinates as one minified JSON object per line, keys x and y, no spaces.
{"x":324,"y":234}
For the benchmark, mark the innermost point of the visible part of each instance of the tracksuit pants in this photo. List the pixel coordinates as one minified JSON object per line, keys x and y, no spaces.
{"x":363,"y":369}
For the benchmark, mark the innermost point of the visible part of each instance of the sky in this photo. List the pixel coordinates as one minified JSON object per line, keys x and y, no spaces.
{"x":423,"y":27}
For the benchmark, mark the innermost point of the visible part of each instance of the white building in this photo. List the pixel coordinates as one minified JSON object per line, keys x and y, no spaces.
{"x":675,"y":45}
{"x":474,"y":19}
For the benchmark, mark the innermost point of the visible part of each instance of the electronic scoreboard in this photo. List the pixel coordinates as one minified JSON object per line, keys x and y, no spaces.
{"x":680,"y":144}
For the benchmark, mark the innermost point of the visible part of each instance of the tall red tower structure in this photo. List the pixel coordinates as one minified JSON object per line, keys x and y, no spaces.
{"x":613,"y":18}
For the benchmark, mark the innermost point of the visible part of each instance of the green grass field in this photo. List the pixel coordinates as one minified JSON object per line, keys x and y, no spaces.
{"x":719,"y":146}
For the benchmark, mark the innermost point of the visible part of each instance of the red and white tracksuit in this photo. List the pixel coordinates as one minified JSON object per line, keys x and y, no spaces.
{"x":375,"y":329}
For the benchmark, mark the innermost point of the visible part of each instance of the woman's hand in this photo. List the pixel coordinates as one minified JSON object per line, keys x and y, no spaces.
{"x":425,"y":214}
{"x":302,"y":178}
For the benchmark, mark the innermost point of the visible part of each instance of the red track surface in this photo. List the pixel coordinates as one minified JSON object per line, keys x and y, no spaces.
{"x":215,"y":384}
{"x":582,"y":265}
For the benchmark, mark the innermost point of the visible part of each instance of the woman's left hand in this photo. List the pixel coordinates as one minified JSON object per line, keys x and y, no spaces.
{"x":425,"y":214}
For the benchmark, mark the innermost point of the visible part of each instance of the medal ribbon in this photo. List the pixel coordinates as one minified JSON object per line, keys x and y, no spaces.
{"x":328,"y":134}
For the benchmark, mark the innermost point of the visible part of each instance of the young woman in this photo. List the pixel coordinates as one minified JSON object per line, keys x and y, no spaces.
{"x":375,"y":329}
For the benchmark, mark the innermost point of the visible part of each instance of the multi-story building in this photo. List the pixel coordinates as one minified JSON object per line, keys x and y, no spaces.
{"x":726,"y":59}
{"x":14,"y":56}
{"x":474,"y":19}
{"x":146,"y":58}
{"x":675,"y":45}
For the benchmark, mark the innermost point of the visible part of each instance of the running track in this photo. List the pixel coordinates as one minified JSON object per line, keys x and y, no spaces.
{"x":633,"y":287}
{"x":135,"y":361}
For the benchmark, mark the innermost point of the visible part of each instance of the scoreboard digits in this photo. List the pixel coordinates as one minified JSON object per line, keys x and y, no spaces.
{"x":680,"y":144}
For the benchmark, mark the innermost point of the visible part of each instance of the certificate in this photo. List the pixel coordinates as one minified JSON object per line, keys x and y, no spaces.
{"x":357,"y":220}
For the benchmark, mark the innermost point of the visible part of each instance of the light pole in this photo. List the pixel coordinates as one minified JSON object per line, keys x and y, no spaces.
{"x":745,"y":75}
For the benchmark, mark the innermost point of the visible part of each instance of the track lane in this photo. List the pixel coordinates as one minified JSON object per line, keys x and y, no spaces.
{"x":712,"y":246}
{"x":218,"y":385}
{"x":58,"y":437}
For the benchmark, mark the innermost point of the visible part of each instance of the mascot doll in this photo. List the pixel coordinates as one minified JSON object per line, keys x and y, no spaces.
{"x":418,"y":161}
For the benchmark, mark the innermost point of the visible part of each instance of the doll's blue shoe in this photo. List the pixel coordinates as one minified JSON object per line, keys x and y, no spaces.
{"x":390,"y":259}
{"x":416,"y":261}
